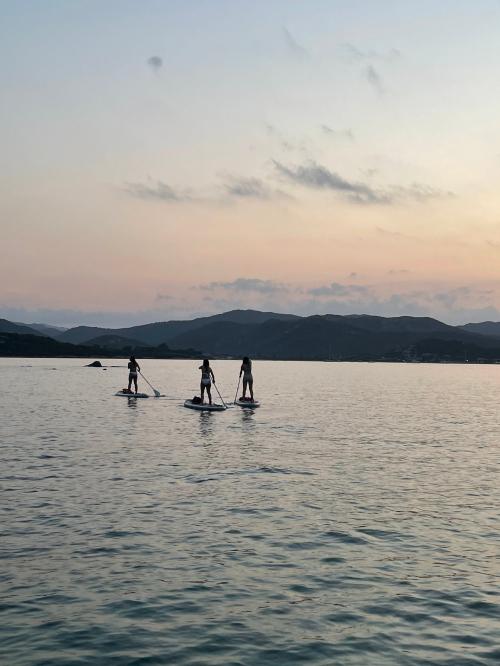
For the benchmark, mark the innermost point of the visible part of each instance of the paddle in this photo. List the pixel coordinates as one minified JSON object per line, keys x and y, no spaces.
{"x":157,"y":393}
{"x":219,"y":395}
{"x":237,"y":388}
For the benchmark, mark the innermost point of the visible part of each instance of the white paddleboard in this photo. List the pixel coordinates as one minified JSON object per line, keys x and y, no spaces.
{"x":247,"y":403}
{"x":132,"y":395}
{"x":204,"y":408}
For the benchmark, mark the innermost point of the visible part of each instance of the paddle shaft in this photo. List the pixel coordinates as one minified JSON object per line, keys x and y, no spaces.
{"x":157,"y":393}
{"x":219,"y":394}
{"x":237,"y":388}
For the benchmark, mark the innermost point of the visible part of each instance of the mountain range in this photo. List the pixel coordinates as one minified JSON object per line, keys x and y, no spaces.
{"x":277,"y":336}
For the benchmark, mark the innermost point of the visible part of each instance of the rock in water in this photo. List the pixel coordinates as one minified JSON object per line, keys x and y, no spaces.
{"x":95,"y":364}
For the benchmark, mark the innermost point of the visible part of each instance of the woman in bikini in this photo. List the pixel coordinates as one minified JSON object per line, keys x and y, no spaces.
{"x":207,"y":376}
{"x":133,"y":369}
{"x":246,"y":371}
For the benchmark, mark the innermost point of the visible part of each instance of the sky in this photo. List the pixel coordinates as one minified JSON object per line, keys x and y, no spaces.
{"x":175,"y":158}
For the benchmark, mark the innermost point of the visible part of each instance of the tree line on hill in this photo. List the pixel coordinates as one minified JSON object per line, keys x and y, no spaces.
{"x":265,"y":335}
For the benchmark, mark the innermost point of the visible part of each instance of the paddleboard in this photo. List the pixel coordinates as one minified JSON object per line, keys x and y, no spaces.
{"x":247,"y":403}
{"x":204,"y":408}
{"x":132,"y":395}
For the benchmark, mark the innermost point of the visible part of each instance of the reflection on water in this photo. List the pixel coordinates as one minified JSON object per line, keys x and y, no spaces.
{"x":360,"y":527}
{"x":207,"y":425}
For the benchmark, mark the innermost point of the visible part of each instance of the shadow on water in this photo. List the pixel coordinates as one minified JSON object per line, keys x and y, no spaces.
{"x":207,"y":426}
{"x":132,"y":403}
{"x":247,"y":419}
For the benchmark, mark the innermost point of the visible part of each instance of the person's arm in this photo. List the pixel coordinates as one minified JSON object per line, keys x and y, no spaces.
{"x":138,"y":367}
{"x":212,"y":373}
{"x":241,"y":370}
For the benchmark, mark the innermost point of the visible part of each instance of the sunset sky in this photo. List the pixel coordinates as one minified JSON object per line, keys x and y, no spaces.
{"x":164,"y":159}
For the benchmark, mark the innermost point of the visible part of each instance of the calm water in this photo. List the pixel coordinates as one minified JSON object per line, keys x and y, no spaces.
{"x":352,"y":519}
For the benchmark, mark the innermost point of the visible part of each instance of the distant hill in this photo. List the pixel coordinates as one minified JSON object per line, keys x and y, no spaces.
{"x":397,"y":324}
{"x":266,"y":335}
{"x":323,"y":337}
{"x":81,"y":334}
{"x":7,"y":326}
{"x":15,"y":344}
{"x":48,"y":329}
{"x":163,"y":332}
{"x":113,"y":342}
{"x":491,"y":328}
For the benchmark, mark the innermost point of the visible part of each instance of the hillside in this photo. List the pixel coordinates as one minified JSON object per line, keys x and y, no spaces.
{"x":491,"y":328}
{"x":15,"y":344}
{"x":323,"y":337}
{"x":7,"y":326}
{"x":267,"y":336}
{"x":47,"y":329}
{"x":159,"y":332}
{"x":114,"y":342}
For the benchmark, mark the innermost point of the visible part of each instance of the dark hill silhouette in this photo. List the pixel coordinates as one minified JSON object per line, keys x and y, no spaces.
{"x":322,"y":337}
{"x":165,"y":331}
{"x":7,"y":326}
{"x":114,"y":342}
{"x":402,"y":324}
{"x":15,"y":344}
{"x":491,"y":328}
{"x":263,"y":335}
{"x":47,"y":329}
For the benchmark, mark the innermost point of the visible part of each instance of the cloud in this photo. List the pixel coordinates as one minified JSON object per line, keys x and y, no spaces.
{"x":156,"y":63}
{"x":284,"y":142}
{"x":247,"y":284}
{"x":157,"y":191}
{"x":344,"y":134}
{"x":374,"y":79}
{"x":418,"y":192}
{"x":336,"y":289}
{"x":316,"y":176}
{"x":298,"y":51}
{"x":352,"y":52}
{"x":251,"y":188}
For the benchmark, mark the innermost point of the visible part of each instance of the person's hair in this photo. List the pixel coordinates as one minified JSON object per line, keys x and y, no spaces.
{"x":132,"y":359}
{"x":246,"y":360}
{"x":206,"y":363}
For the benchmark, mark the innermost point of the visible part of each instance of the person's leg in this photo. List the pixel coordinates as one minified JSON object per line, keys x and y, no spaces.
{"x":135,"y":383}
{"x":129,"y":382}
{"x":245,"y":383}
{"x":202,"y":391}
{"x":250,"y":386}
{"x":209,"y":393}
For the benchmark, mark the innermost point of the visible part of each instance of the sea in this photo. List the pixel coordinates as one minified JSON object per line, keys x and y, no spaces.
{"x":353,"y":519}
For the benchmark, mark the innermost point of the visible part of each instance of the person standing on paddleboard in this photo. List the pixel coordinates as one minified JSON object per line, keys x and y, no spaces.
{"x":206,"y":380}
{"x":246,"y":371}
{"x":133,"y":368}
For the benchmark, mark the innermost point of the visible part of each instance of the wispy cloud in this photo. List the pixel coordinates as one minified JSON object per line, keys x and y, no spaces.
{"x":343,"y":134}
{"x":353,"y":53}
{"x":374,"y":79}
{"x":155,"y":63}
{"x":293,"y":46}
{"x":337,"y":290}
{"x":157,"y":191}
{"x":246,"y":285}
{"x":251,"y":188}
{"x":316,"y":176}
